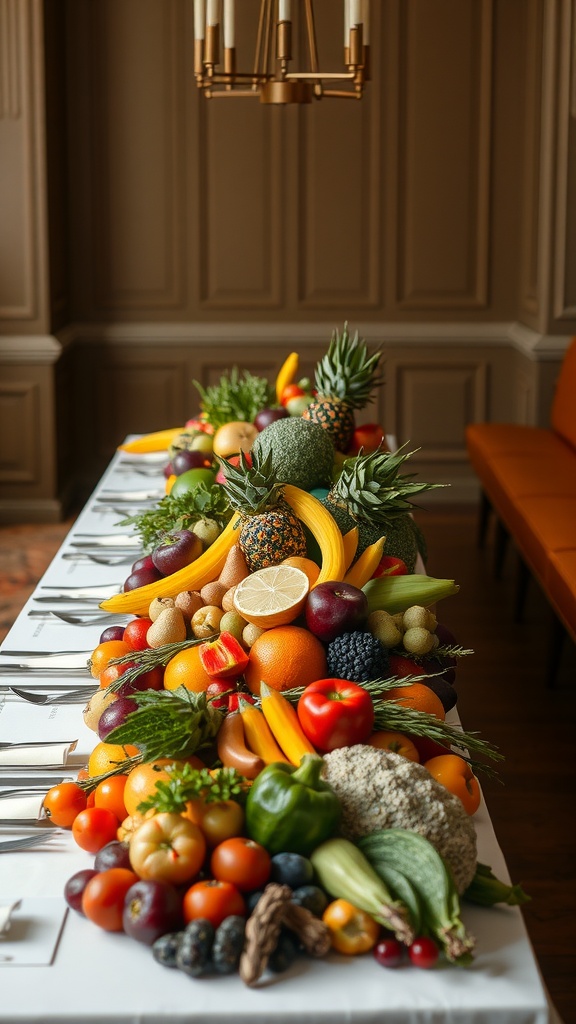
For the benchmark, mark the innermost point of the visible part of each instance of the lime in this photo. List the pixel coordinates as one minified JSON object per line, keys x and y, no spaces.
{"x":189,"y":480}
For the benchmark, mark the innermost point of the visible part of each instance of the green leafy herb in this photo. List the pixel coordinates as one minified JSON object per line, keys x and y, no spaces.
{"x":236,"y":397}
{"x":187,"y":783}
{"x":169,"y":723}
{"x":180,"y":513}
{"x":148,"y":659}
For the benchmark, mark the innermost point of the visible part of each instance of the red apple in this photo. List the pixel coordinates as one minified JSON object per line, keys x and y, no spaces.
{"x":265,"y":417}
{"x":141,"y":578}
{"x":333,"y":608}
{"x":368,"y":436}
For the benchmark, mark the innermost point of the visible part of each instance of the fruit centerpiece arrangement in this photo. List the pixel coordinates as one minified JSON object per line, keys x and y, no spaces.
{"x":274,"y":775}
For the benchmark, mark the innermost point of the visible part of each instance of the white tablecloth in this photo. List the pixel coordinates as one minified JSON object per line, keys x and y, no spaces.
{"x":111,"y":979}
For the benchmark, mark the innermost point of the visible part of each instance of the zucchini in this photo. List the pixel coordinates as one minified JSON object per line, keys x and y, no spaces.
{"x":402,"y":889}
{"x":344,"y":872}
{"x":486,"y":890}
{"x":417,"y":859}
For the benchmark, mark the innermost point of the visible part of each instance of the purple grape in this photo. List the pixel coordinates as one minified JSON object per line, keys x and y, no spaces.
{"x":115,"y":714}
{"x":141,"y":578}
{"x":111,"y":633}
{"x":74,"y":888}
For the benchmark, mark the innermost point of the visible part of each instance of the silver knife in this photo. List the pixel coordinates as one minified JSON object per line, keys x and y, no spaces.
{"x":131,"y":495}
{"x":106,"y":540}
{"x":66,"y":659}
{"x":96,"y":593}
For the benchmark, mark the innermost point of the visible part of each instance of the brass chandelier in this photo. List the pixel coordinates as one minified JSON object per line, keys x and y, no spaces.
{"x":271,"y":78}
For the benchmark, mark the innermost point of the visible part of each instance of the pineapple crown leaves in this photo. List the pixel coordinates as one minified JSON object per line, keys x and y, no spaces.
{"x":236,"y":397}
{"x":251,"y":485}
{"x":347,"y":371}
{"x":370,"y":486}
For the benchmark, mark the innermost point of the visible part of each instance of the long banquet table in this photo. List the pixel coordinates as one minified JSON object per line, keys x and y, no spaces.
{"x":88,"y":976}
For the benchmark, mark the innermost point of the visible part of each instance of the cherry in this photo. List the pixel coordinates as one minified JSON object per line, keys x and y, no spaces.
{"x":388,"y":953}
{"x":423,"y":952}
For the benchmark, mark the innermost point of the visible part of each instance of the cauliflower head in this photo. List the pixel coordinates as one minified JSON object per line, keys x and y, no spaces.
{"x":379,"y":789}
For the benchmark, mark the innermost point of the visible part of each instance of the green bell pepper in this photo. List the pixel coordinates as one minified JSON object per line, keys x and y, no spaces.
{"x":292,"y":810}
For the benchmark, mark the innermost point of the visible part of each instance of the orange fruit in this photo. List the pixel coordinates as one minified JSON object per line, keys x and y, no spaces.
{"x":396,"y":742}
{"x":170,"y":481}
{"x":186,"y":669}
{"x":306,"y":565}
{"x":107,"y":756}
{"x":417,"y":696}
{"x":141,"y":783}
{"x":103,"y":654}
{"x":284,"y":657}
{"x":273,"y":596}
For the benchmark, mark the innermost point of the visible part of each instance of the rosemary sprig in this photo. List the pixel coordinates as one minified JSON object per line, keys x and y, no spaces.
{"x":150,"y":658}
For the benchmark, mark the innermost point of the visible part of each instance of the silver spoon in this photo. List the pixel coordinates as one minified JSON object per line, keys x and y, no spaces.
{"x":78,"y":696}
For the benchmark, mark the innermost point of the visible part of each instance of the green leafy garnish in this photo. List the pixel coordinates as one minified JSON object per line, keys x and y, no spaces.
{"x":187,"y":783}
{"x":180,"y":513}
{"x":236,"y":397}
{"x":169,"y":723}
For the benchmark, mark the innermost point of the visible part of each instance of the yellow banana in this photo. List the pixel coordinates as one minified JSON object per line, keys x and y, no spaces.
{"x":203,"y":570}
{"x":156,"y":442}
{"x":364,"y":567}
{"x":325,"y":530}
{"x":286,"y":373}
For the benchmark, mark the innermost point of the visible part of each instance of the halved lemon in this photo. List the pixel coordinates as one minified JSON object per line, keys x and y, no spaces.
{"x":273,"y":596}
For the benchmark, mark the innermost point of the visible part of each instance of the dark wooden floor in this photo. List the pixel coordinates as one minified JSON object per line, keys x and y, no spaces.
{"x":502,"y":694}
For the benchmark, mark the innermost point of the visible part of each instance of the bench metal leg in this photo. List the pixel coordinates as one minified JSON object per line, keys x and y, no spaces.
{"x":501,"y":543}
{"x":556,"y":640}
{"x":483,"y":518}
{"x":522,"y":581}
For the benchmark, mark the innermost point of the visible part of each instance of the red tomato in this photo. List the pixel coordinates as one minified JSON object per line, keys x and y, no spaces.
{"x":94,"y":827}
{"x":110,"y":794}
{"x":241,"y":861}
{"x":335,"y":713}
{"x":103,"y":897}
{"x":214,"y":901}
{"x":63,"y":803}
{"x":291,"y":391}
{"x":135,"y":634}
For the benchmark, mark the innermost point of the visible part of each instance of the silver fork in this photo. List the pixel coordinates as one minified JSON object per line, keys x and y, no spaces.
{"x":23,"y":843}
{"x":85,"y":618}
{"x":77,"y":696}
{"x":85,"y":556}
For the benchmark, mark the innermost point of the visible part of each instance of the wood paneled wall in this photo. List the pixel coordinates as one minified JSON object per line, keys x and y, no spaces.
{"x":150,"y":237}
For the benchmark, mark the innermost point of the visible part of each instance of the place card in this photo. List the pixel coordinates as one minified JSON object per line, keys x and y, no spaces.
{"x":35,"y":927}
{"x":21,"y":806}
{"x":36,"y":755}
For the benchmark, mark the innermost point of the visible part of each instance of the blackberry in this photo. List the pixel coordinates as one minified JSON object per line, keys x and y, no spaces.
{"x":357,"y":656}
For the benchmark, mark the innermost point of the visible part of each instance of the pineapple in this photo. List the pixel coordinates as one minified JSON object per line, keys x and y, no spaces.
{"x":345,"y":379}
{"x":371,"y":495}
{"x":270,"y":531}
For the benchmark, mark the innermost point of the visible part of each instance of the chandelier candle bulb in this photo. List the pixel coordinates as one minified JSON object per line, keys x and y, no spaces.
{"x":284,"y":10}
{"x":229,"y":24}
{"x":199,"y":19}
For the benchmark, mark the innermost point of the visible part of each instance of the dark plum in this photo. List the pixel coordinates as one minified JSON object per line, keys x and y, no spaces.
{"x":74,"y":888}
{"x":165,"y":949}
{"x":141,"y":578}
{"x":265,"y":417}
{"x":291,"y":869}
{"x":186,"y":459}
{"x":111,"y":633}
{"x":444,"y":690}
{"x":312,"y":897}
{"x":114,"y":855}
{"x":178,"y":549}
{"x":151,"y":909}
{"x":143,"y":563}
{"x":114,"y":715}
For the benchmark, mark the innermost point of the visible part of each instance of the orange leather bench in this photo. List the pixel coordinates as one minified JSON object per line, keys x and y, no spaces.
{"x":528,"y":478}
